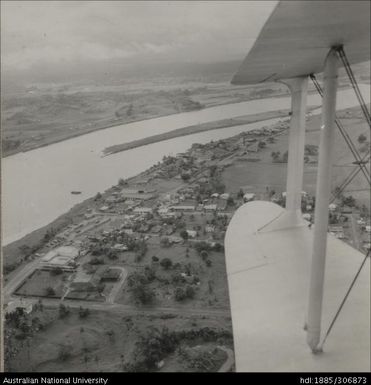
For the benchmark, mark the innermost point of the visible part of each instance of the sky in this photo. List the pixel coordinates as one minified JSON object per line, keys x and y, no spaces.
{"x":55,"y":32}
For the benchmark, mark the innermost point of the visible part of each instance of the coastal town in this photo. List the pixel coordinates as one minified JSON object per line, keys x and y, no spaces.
{"x":150,"y":251}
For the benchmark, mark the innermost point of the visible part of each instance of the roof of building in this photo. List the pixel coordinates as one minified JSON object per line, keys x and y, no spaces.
{"x":62,"y":253}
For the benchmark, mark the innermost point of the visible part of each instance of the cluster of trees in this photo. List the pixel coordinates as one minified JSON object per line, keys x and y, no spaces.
{"x":156,"y":344}
{"x":56,"y":271}
{"x":64,"y":352}
{"x":50,"y":234}
{"x":10,"y":144}
{"x":140,"y":248}
{"x":166,"y":263}
{"x":278,"y":158}
{"x":311,"y":149}
{"x":49,"y":291}
{"x":83,"y":313}
{"x":138,"y":284}
{"x":152,"y":348}
{"x":362,"y":139}
{"x":64,"y":311}
{"x":348,"y":201}
{"x":200,"y":246}
{"x":183,"y":293}
{"x":165,"y":242}
{"x":261,"y":144}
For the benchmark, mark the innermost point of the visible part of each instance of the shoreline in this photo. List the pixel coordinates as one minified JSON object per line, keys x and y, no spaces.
{"x":87,"y":131}
{"x":195,"y":129}
{"x":116,"y":124}
{"x":36,"y":235}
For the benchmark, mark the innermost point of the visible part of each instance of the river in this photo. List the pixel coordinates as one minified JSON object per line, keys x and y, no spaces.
{"x":37,"y":185}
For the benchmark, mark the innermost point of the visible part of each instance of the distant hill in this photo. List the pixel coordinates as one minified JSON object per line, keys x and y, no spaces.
{"x":116,"y":71}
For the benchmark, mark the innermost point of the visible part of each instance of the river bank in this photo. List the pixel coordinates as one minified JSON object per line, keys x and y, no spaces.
{"x":46,"y":117}
{"x":45,"y":178}
{"x":194,"y":129}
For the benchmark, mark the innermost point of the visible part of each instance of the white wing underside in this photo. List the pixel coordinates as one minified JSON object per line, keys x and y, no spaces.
{"x":268,"y":277}
{"x":298,"y":35}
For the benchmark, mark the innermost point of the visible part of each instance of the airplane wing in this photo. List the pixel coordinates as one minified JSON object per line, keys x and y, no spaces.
{"x":268,"y":267}
{"x":298,"y":35}
{"x":268,"y":277}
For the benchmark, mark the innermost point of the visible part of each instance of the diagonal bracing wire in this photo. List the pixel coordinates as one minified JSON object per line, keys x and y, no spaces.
{"x":360,"y":161}
{"x":344,"y":300}
{"x":353,"y":81}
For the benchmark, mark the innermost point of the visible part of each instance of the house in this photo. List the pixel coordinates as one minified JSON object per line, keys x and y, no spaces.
{"x":222,"y":205}
{"x":332,"y":207}
{"x":63,"y":257}
{"x":170,"y":230}
{"x":12,"y":306}
{"x":249,"y":197}
{"x":137,"y":195}
{"x":304,"y":194}
{"x":209,"y":228}
{"x":224,"y":196}
{"x":192,"y":233}
{"x":111,"y":199}
{"x":337,"y":231}
{"x":163,"y":210}
{"x":211,"y":207}
{"x":143,"y":210}
{"x":188,"y":278}
{"x":110,"y":274}
{"x":85,"y":282}
{"x":156,"y":229}
{"x":120,"y":247}
{"x":127,"y":231}
{"x":185,"y":207}
{"x":174,"y":239}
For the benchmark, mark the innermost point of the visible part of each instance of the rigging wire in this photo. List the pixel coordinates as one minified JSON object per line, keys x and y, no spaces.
{"x":345,"y":135}
{"x":353,"y":81}
{"x":343,"y":301}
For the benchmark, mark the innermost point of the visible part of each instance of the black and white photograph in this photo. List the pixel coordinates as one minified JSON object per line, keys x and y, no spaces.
{"x":185,"y":188}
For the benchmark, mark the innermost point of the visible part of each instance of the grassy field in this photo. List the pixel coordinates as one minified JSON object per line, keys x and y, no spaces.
{"x":266,"y":173}
{"x":39,"y":281}
{"x":212,"y":292}
{"x":101,"y":342}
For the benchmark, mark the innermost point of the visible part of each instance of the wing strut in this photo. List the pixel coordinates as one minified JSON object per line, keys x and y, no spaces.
{"x":322,"y":201}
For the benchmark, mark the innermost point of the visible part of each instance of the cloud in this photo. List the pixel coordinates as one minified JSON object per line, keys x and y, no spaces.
{"x":48,"y":32}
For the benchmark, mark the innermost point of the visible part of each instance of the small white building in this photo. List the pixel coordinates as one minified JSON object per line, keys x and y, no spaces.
{"x":18,"y":304}
{"x":211,"y":207}
{"x":224,"y":196}
{"x":209,"y":228}
{"x":332,"y":207}
{"x":192,"y":233}
{"x":120,"y":247}
{"x":249,"y":197}
{"x":183,"y":208}
{"x":62,"y":257}
{"x":143,"y":210}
